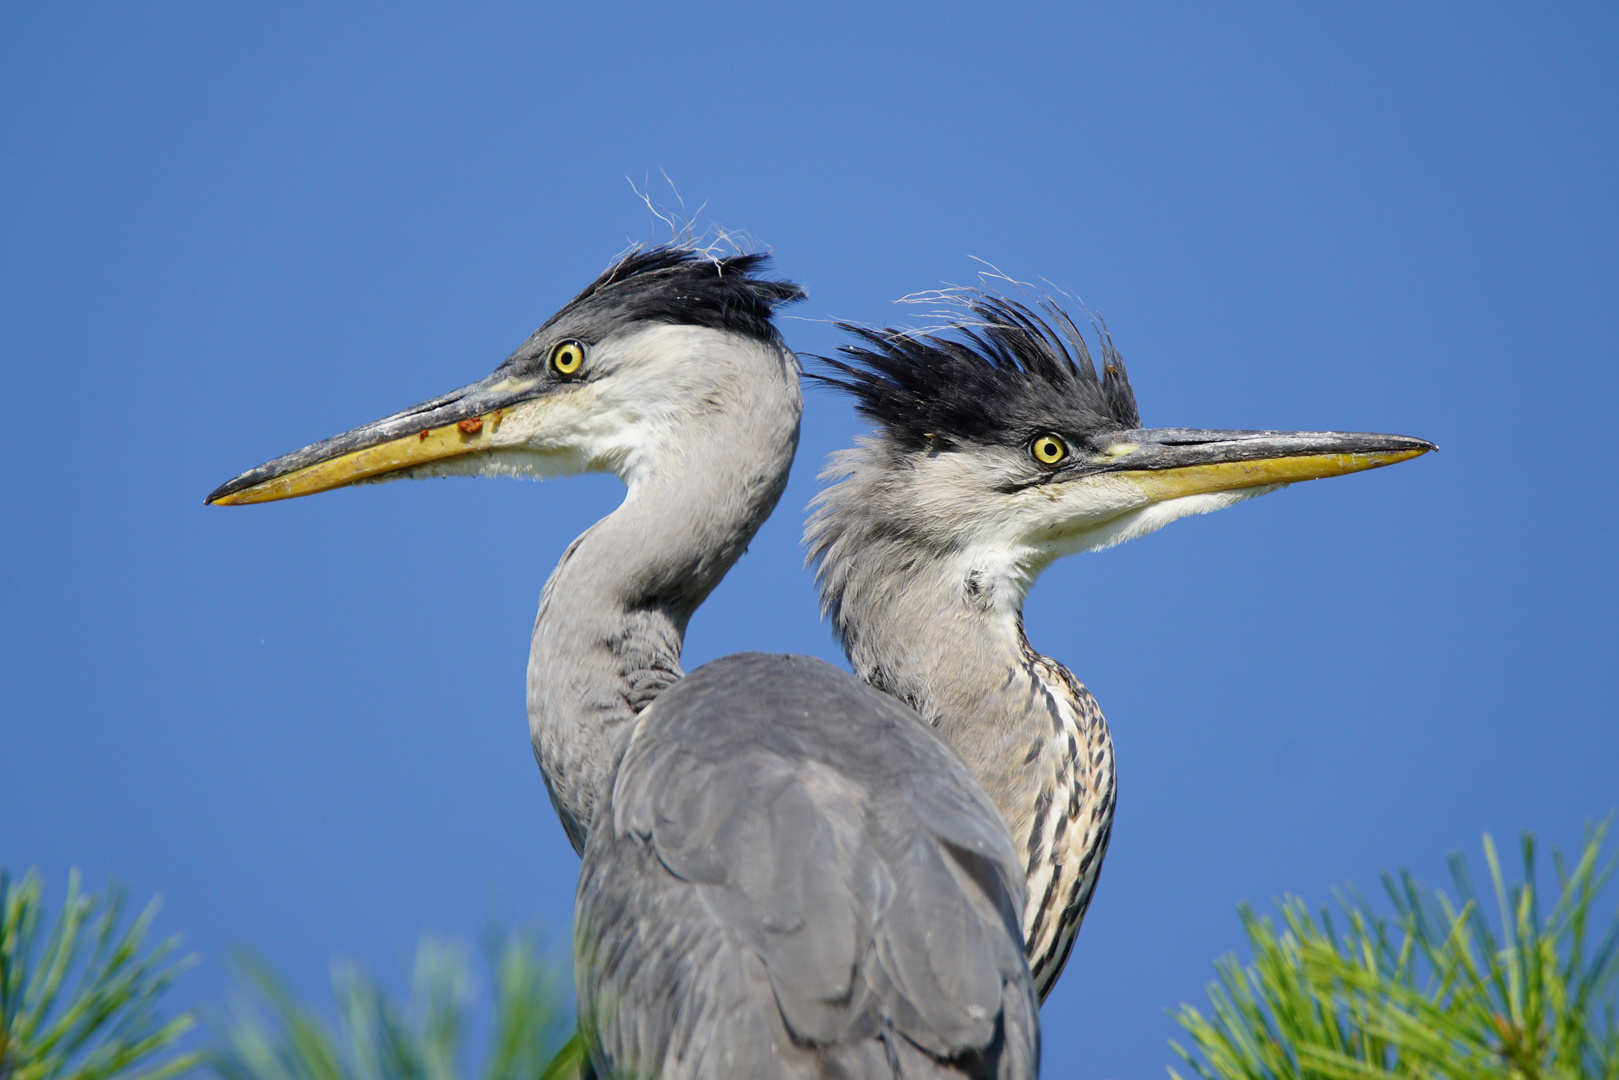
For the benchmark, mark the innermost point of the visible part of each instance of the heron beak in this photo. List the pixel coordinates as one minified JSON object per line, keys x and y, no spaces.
{"x":465,"y":422}
{"x":1172,"y":463}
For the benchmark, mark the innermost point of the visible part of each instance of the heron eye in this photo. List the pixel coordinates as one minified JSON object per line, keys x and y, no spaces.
{"x":567,"y":357}
{"x":1048,"y":449}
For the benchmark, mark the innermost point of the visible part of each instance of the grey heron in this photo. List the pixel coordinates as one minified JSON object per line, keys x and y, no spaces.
{"x":784,"y":873}
{"x":998,"y":449}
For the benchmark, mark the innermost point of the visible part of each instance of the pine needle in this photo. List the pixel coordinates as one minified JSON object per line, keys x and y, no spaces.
{"x":1437,"y":990}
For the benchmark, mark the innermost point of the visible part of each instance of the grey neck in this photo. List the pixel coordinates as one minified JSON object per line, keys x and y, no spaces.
{"x":947,"y":638}
{"x":613,"y":616}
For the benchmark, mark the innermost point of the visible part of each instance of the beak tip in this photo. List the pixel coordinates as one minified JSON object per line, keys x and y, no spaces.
{"x":1420,"y":447}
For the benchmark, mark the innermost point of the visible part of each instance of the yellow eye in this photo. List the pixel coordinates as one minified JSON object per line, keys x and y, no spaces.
{"x":1048,"y":449}
{"x":567,"y":357}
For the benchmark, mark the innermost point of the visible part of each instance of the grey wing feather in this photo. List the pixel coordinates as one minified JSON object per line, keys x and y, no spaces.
{"x":793,"y":876}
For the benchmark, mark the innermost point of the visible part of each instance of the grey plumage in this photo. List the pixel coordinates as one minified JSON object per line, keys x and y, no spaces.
{"x":926,"y":595}
{"x":945,"y":635}
{"x":803,"y":881}
{"x":998,"y":448}
{"x":785,"y":873}
{"x":710,"y":441}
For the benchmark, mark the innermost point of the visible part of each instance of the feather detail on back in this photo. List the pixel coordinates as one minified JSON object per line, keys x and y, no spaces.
{"x":811,"y":877}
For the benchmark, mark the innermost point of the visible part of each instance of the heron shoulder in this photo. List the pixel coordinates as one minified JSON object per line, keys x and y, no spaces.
{"x":812,"y":832}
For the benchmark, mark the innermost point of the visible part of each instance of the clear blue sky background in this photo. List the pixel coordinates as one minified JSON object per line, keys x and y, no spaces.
{"x":231,"y":230}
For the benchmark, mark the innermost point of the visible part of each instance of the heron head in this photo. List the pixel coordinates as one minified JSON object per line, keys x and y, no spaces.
{"x":662,"y":337}
{"x":998,"y":440}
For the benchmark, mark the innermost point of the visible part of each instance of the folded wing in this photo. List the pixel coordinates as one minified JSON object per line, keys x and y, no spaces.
{"x":795,"y":877}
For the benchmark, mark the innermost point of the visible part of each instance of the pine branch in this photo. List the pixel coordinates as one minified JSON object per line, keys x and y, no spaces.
{"x":1437,"y":990}
{"x":79,"y":1002}
{"x":273,"y":1036}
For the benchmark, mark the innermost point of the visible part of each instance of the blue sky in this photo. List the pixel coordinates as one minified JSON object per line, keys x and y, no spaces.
{"x":229,"y":231}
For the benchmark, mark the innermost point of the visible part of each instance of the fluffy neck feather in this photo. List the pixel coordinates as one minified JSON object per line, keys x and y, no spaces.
{"x":929,"y":608}
{"x":931,"y":618}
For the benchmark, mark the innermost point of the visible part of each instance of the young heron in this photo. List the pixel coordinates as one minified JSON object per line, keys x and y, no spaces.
{"x":998,"y":449}
{"x":785,"y":874}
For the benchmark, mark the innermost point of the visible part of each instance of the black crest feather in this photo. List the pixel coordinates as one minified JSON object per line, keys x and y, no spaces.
{"x":1001,"y":374}
{"x":686,"y":285}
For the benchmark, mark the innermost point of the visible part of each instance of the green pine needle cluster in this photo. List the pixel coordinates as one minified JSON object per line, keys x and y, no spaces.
{"x":79,"y":1001}
{"x":1435,"y":991}
{"x":275,"y":1037}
